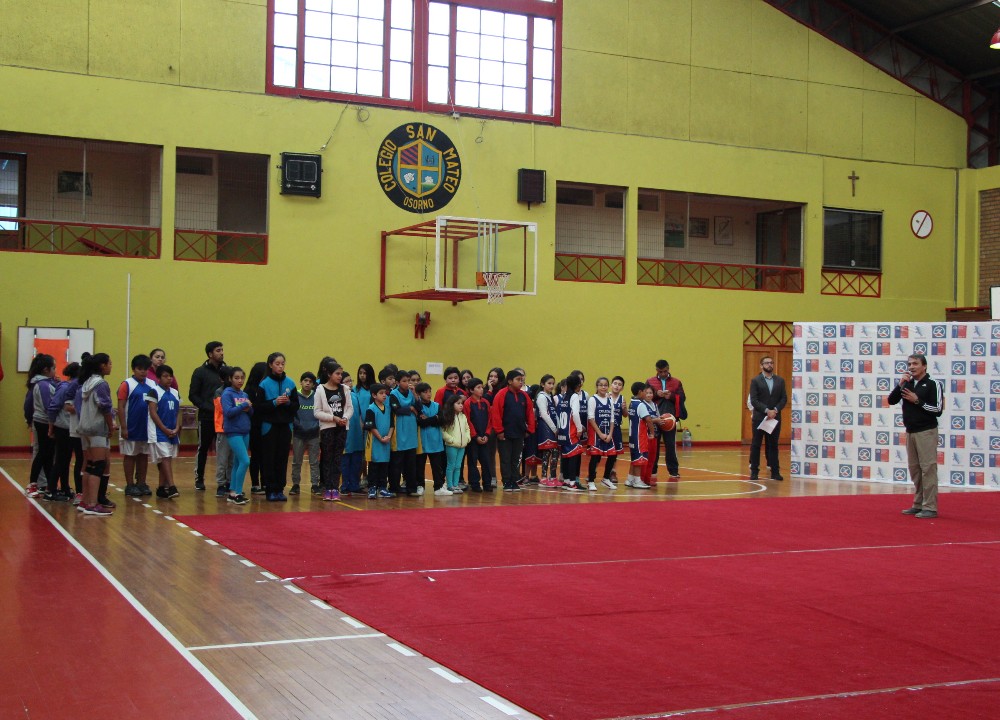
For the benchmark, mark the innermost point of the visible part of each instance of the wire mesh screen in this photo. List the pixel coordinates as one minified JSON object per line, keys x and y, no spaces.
{"x":221,"y":206}
{"x":80,"y":196}
{"x":590,"y":220}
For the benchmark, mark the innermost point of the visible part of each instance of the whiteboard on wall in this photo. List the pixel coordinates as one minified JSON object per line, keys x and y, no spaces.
{"x":76,"y":341}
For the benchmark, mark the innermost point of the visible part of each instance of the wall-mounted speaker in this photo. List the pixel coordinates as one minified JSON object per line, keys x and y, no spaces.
{"x":301,"y":174}
{"x":530,"y":186}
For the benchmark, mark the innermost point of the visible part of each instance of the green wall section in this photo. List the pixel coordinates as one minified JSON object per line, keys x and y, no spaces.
{"x":724,"y":97}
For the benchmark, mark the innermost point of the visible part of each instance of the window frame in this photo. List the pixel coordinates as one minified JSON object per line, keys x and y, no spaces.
{"x":549,"y":9}
{"x":881,"y":241}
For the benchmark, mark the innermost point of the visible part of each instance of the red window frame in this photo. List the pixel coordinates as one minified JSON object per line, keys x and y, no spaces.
{"x":418,"y":80}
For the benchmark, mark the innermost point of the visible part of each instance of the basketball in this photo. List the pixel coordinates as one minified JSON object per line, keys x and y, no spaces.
{"x":667,"y":422}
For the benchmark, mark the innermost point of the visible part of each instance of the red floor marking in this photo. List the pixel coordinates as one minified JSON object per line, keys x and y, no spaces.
{"x":72,"y":646}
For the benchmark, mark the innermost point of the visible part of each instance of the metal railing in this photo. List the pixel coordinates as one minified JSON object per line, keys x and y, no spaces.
{"x":847,"y":283}
{"x":218,"y":246}
{"x":720,"y":276}
{"x":590,"y":268}
{"x":79,"y":238}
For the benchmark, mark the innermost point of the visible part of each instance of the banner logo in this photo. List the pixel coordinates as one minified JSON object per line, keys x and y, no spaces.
{"x":418,"y":168}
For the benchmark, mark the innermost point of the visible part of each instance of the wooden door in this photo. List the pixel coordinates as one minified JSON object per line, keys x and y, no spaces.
{"x":752,"y":355}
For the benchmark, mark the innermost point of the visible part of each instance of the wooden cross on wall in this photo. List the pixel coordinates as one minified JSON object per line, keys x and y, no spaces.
{"x":853,"y":177}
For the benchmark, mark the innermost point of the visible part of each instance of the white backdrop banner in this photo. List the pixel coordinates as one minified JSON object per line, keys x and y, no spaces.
{"x":843,"y":427}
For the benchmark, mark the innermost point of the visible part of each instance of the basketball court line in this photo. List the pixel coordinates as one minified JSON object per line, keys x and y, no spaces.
{"x":806,"y":698}
{"x":292,"y":641}
{"x":194,"y":662}
{"x":623,"y":561}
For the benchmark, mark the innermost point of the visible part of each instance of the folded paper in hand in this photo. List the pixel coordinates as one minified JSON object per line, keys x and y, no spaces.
{"x":768,"y":425}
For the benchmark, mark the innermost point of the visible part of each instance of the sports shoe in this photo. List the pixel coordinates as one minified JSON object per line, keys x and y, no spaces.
{"x":386,"y":494}
{"x":442,"y":491}
{"x":515,"y":488}
{"x":257,"y":490}
{"x":32,"y":490}
{"x":316,"y":490}
{"x":912,"y":511}
{"x":146,"y":489}
{"x":574,"y":486}
{"x":161,"y":492}
{"x":56,"y":496}
{"x":172,"y":492}
{"x":675,"y":478}
{"x":77,"y":499}
{"x":240,"y":499}
{"x":592,"y":486}
{"x":106,"y":502}
{"x":277,"y":497}
{"x":221,"y":491}
{"x":420,"y":490}
{"x":199,"y":484}
{"x":457,"y":490}
{"x":609,"y":484}
{"x":372,"y":493}
{"x":925,"y":514}
{"x":507,"y":488}
{"x":464,"y":486}
{"x":629,"y":481}
{"x":99,"y":511}
{"x":640,"y":485}
{"x":133,"y":491}
{"x":83,"y":507}
{"x":295,"y":490}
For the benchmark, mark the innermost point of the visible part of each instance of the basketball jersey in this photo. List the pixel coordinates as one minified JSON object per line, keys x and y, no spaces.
{"x":638,"y":435}
{"x":616,"y":427}
{"x":567,"y":434}
{"x":604,"y":418}
{"x":136,"y":412}
{"x":546,"y":437}
{"x":376,"y":450}
{"x":168,"y":405}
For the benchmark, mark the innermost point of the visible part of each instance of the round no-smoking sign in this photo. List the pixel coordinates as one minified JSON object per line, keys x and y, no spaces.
{"x":922,"y":224}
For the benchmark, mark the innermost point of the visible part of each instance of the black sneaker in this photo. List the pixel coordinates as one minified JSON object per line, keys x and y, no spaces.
{"x":222,"y":491}
{"x":146,"y":490}
{"x":199,"y":484}
{"x":172,"y":492}
{"x":257,"y":490}
{"x":294,"y":490}
{"x":240,"y":499}
{"x":161,"y":492}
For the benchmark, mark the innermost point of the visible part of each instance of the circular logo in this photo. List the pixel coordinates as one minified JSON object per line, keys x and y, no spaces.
{"x":418,"y":168}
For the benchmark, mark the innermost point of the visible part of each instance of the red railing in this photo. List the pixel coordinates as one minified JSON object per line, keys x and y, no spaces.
{"x":848,"y":283}
{"x":720,"y":276}
{"x":215,"y":246}
{"x":78,"y":238}
{"x":590,"y":268}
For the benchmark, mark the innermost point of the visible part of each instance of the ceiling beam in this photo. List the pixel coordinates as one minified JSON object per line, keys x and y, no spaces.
{"x":972,"y":5}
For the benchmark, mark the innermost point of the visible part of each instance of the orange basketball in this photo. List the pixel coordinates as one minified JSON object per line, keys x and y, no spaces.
{"x":667,"y":422}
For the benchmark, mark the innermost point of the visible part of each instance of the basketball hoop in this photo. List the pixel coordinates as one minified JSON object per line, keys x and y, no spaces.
{"x":496,"y":283}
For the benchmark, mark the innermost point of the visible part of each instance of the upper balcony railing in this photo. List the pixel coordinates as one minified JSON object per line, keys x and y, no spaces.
{"x":79,"y":238}
{"x":218,"y":246}
{"x":720,"y":276}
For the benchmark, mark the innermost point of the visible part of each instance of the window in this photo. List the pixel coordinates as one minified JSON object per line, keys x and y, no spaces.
{"x":590,"y":233}
{"x":490,"y":57}
{"x":852,"y":240}
{"x":220,"y":211}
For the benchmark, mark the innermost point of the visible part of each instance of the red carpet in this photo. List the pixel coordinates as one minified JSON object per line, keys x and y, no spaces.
{"x":612,"y":610}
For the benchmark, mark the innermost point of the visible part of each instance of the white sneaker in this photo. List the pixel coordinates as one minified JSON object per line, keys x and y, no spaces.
{"x":629,"y":481}
{"x":420,"y":490}
{"x":442,"y":491}
{"x":592,"y":486}
{"x":609,"y":484}
{"x":457,"y":490}
{"x":639,"y":484}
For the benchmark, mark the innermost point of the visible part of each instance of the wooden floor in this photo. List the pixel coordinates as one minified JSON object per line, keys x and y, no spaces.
{"x":278,"y":652}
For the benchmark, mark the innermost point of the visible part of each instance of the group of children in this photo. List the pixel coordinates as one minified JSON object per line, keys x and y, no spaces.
{"x":391,"y":425}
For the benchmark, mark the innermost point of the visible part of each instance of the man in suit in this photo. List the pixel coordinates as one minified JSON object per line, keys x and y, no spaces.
{"x":767,"y":398}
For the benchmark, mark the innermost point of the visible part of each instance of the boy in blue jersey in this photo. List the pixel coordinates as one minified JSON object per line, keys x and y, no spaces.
{"x":431,"y":445}
{"x":164,"y":429}
{"x":403,"y":463}
{"x":305,"y":435}
{"x":134,"y":418}
{"x":379,"y":426}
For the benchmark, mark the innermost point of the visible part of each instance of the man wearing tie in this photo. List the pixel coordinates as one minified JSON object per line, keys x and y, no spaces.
{"x":767,"y":398}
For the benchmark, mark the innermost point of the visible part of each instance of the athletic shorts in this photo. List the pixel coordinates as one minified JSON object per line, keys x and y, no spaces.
{"x":161,"y":451}
{"x":94,"y":441}
{"x":133,"y":447}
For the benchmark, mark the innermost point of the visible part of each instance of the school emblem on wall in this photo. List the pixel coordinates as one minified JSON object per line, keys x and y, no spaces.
{"x":418,"y":168}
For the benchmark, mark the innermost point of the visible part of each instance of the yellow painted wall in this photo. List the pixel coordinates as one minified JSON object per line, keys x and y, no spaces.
{"x":655,"y":95}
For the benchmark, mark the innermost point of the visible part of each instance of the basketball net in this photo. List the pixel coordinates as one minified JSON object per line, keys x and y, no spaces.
{"x":496,"y":283}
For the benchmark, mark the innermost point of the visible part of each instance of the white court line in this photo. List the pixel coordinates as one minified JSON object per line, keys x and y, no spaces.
{"x":247,"y":562}
{"x":146,"y":505}
{"x":806,"y":698}
{"x":284,"y":642}
{"x":228,"y":551}
{"x":721,"y":556}
{"x":212,"y":680}
{"x":210,"y":541}
{"x":181,"y":525}
{"x":446,"y":675}
{"x":320,"y":604}
{"x":292,"y":588}
{"x":402,"y":650}
{"x":158,"y":512}
{"x":353,"y":623}
{"x":168,"y":517}
{"x":269,"y":576}
{"x":502,"y":707}
{"x":196,"y":533}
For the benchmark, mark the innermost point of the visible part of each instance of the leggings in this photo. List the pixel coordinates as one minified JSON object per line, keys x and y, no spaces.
{"x":238,"y":446}
{"x":571,"y":467}
{"x":43,"y":459}
{"x":595,"y":460}
{"x":454,"y":456}
{"x":68,"y":448}
{"x":550,"y":463}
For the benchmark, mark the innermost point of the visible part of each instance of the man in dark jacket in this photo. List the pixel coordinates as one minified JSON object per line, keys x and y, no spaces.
{"x":205,"y":380}
{"x":669,"y":396}
{"x":923,"y":403}
{"x":767,"y":398}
